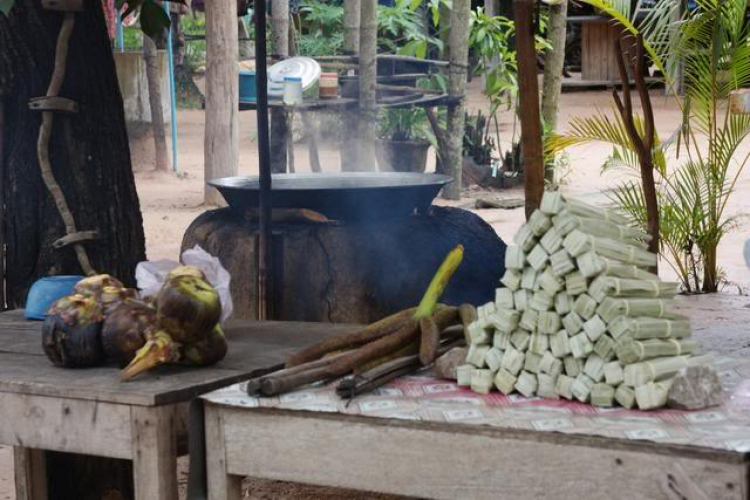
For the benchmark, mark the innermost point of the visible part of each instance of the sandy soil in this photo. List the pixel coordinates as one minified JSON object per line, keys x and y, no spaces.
{"x":171,"y":201}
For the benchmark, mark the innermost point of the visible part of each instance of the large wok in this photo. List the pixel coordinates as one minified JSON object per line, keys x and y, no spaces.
{"x":341,"y":196}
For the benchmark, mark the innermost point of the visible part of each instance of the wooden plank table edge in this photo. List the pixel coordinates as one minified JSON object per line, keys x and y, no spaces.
{"x":436,"y":460}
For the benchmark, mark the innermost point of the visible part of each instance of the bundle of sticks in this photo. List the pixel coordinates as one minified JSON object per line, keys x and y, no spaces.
{"x":394,"y":346}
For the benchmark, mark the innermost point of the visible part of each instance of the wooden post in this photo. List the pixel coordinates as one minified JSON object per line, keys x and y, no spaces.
{"x":528,"y":90}
{"x":222,"y":94}
{"x":349,"y":120}
{"x":280,"y":126}
{"x":459,"y":67}
{"x":368,"y":46}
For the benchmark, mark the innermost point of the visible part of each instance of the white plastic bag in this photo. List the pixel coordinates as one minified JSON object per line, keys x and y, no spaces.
{"x":150,"y":276}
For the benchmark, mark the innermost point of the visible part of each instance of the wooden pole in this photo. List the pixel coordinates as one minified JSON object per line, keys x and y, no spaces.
{"x":280,"y":126}
{"x":528,"y":90}
{"x":458,"y":72}
{"x":221,"y":140}
{"x":367,"y":80}
{"x":264,"y":162}
{"x":349,"y":120}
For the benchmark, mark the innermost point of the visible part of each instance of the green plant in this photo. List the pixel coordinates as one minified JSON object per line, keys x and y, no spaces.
{"x":477,"y":144}
{"x":490,"y":41}
{"x":322,"y":28}
{"x":402,"y":29}
{"x":195,"y":50}
{"x":712,"y":44}
{"x":407,"y":124}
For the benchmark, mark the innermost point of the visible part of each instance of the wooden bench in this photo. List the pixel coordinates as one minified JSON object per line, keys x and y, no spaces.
{"x":91,"y":412}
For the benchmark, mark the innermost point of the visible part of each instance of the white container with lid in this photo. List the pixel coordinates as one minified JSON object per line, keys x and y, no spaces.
{"x":292,"y":90}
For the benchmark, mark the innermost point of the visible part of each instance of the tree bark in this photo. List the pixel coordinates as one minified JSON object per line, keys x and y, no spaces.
{"x":366,"y":126}
{"x":88,"y":150}
{"x":154,"y":101}
{"x":351,"y":47}
{"x":351,"y":26}
{"x":528,"y":90}
{"x":459,"y":67}
{"x":554,"y":60}
{"x":221,"y":148}
{"x":280,"y":23}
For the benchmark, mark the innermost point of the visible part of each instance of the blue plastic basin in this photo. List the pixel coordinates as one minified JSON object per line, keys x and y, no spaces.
{"x":45,"y":292}
{"x":248,"y":87}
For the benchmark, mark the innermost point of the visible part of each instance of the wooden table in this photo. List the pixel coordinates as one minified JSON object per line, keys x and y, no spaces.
{"x":89,"y":411}
{"x":438,"y":460}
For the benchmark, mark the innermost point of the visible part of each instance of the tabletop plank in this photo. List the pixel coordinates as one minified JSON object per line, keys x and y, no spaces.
{"x":252,"y":345}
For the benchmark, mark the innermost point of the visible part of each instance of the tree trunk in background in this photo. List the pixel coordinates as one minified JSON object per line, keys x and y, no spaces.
{"x":154,"y":101}
{"x":280,"y":129}
{"x":554,"y":61}
{"x":89,"y":151}
{"x":367,"y":120}
{"x":221,"y":149}
{"x":351,"y":26}
{"x":349,"y":120}
{"x":528,"y":93}
{"x":459,"y":67}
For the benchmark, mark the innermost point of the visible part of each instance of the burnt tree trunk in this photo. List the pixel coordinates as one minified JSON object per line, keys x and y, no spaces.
{"x":352,"y":272}
{"x":88,"y":150}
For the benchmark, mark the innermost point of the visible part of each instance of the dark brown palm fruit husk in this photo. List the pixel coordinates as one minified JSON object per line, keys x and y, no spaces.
{"x":186,"y":271}
{"x":188,"y":308}
{"x":71,"y":334}
{"x":127,"y":329}
{"x":93,"y":286}
{"x":112,"y":297}
{"x":208,"y":351}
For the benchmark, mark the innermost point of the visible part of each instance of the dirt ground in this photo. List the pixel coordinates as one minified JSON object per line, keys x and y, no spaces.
{"x":171,"y":201}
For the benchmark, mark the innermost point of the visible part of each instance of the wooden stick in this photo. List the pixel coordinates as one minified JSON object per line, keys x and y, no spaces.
{"x":371,"y":332}
{"x":254,"y":384}
{"x":374,"y":350}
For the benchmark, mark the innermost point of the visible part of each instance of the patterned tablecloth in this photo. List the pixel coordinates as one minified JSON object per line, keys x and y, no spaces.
{"x":422,"y":397}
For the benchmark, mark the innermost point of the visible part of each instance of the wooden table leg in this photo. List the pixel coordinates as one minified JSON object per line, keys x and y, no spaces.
{"x":154,"y":453}
{"x":221,"y":485}
{"x":30,"y":473}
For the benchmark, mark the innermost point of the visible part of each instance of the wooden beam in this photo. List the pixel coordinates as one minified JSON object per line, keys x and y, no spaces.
{"x":280,"y":126}
{"x":528,"y":90}
{"x":221,"y":139}
{"x":459,"y":67}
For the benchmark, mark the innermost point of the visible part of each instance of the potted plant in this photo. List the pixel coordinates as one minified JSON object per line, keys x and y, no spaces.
{"x":404,"y":137}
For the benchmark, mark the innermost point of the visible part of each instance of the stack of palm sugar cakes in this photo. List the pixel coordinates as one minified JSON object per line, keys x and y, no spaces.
{"x":579,"y":316}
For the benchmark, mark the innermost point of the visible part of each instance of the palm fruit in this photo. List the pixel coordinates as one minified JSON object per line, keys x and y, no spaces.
{"x":208,"y":351}
{"x":127,"y":329}
{"x":71,"y":332}
{"x":158,"y":350}
{"x":112,"y":297}
{"x":188,"y":308}
{"x":186,"y":271}
{"x":93,"y":286}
